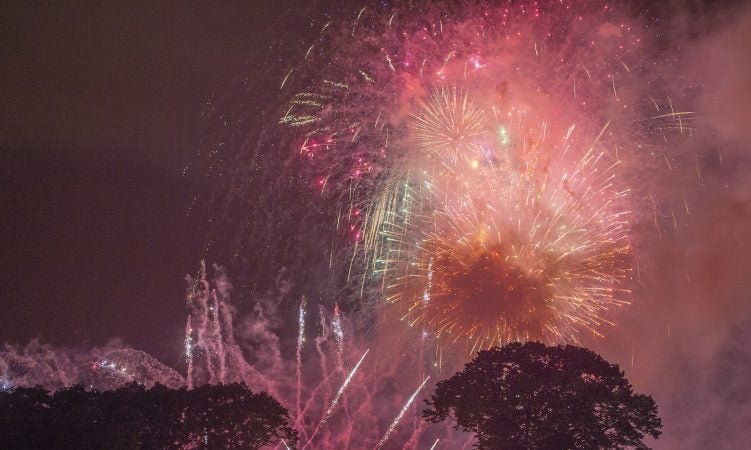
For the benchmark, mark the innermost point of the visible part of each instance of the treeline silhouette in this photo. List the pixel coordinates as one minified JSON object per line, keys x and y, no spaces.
{"x":533,"y":396}
{"x":209,"y":416}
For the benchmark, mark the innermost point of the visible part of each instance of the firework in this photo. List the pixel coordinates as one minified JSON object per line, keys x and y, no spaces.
{"x":336,"y":399}
{"x":393,"y":425}
{"x":336,"y":323}
{"x":189,"y":353}
{"x":478,"y":173}
{"x":444,"y":103}
{"x":219,"y":350}
{"x":124,"y":365}
{"x":300,"y":342}
{"x":450,"y":125}
{"x":471,"y":201}
{"x":531,"y":248}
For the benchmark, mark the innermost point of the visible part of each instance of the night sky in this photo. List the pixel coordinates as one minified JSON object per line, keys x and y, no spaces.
{"x":103,"y":105}
{"x":101,"y":109}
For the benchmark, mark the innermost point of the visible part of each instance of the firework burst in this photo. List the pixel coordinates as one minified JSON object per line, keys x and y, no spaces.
{"x":450,"y":125}
{"x":531,"y":244}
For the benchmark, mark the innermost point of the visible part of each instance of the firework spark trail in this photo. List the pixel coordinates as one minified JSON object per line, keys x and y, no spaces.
{"x":261,"y":369}
{"x":336,"y":399}
{"x":298,"y":369}
{"x":320,"y":340}
{"x":339,"y":336}
{"x":398,"y":418}
{"x":210,"y":321}
{"x":189,"y":354}
{"x":219,"y":339}
{"x":323,"y":388}
{"x":204,"y":331}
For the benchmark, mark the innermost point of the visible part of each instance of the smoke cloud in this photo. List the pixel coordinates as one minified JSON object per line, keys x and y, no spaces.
{"x":689,"y":332}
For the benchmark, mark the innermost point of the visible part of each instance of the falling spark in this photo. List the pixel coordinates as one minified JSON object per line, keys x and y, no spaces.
{"x":300,"y":342}
{"x":189,"y":354}
{"x":401,"y":414}
{"x":336,"y":399}
{"x":338,"y":334}
{"x":218,"y":337}
{"x":284,"y":81}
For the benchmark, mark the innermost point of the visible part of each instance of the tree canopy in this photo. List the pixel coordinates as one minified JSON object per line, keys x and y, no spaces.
{"x":531,"y":396}
{"x":209,"y":416}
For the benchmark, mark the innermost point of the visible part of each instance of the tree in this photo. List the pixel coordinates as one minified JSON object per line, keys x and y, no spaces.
{"x":25,"y":417}
{"x":530,"y":396}
{"x":231,"y":416}
{"x":210,"y":416}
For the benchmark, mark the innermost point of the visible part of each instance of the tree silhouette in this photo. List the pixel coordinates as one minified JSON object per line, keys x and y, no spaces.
{"x":209,"y":416}
{"x":530,"y":396}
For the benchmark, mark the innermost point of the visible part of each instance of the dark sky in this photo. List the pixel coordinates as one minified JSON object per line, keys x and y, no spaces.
{"x":101,"y":108}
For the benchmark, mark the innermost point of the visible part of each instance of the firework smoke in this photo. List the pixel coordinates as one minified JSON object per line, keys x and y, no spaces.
{"x":499,"y":146}
{"x":106,"y":367}
{"x":483,"y":173}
